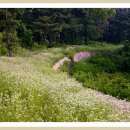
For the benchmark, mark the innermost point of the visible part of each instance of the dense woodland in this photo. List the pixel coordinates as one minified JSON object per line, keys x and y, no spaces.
{"x":54,"y":27}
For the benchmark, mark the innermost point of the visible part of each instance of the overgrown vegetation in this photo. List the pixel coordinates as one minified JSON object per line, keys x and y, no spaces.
{"x":107,"y":72}
{"x":31,"y":91}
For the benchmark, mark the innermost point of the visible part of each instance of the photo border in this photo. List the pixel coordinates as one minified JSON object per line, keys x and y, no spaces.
{"x":65,"y":5}
{"x":65,"y":124}
{"x":65,"y":1}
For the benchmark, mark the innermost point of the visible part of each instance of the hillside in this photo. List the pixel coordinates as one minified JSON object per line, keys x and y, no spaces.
{"x":32,"y":91}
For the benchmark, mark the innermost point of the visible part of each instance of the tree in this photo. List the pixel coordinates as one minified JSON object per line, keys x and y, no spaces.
{"x":94,"y":21}
{"x":50,"y":23}
{"x":27,"y":28}
{"x":119,"y":27}
{"x":69,"y":26}
{"x":9,"y":24}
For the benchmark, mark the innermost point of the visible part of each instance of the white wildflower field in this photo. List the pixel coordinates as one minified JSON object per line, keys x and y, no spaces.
{"x":31,"y":90}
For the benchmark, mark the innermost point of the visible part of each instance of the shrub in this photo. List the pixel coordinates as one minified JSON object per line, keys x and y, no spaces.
{"x":37,"y":46}
{"x":106,"y":64}
{"x":105,"y":72}
{"x":3,"y":50}
{"x":64,"y":68}
{"x":115,"y":84}
{"x":84,"y":66}
{"x":22,"y":52}
{"x":69,"y":53}
{"x":124,"y":57}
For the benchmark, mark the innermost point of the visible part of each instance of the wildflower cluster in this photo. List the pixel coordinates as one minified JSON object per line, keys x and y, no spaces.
{"x":30,"y":90}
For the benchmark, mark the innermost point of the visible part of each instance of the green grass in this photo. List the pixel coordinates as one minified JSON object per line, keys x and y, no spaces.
{"x":92,"y":46}
{"x":30,"y":90}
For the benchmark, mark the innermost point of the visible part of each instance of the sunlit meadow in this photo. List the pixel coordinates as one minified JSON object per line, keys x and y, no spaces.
{"x":30,"y":90}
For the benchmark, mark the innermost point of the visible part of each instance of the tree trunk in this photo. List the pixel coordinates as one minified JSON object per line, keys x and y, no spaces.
{"x":10,"y":52}
{"x":8,"y":43}
{"x":9,"y":46}
{"x":31,"y":46}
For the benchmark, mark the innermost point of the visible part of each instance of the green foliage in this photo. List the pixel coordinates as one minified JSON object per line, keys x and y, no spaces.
{"x":107,"y":72}
{"x":81,"y":66}
{"x":53,"y":27}
{"x":14,"y":39}
{"x":26,"y":37}
{"x":32,"y":92}
{"x":37,"y":47}
{"x":31,"y":105}
{"x":1,"y":38}
{"x":123,"y":57}
{"x":3,"y":50}
{"x":94,"y":32}
{"x":21,"y":52}
{"x":91,"y":76}
{"x":112,"y":61}
{"x":94,"y":22}
{"x":64,"y":68}
{"x":70,"y":53}
{"x":106,"y":64}
{"x":118,"y":28}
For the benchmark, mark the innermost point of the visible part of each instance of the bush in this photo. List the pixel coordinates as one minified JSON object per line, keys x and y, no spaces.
{"x":37,"y":46}
{"x":106,"y":72}
{"x":84,"y":66}
{"x":115,"y":84}
{"x":124,"y":57}
{"x":64,"y":68}
{"x":96,"y":43}
{"x":3,"y":50}
{"x":105,"y":63}
{"x":69,"y":53}
{"x":22,"y":52}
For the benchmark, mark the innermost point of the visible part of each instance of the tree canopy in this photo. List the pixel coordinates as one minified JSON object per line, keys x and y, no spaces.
{"x":51,"y":27}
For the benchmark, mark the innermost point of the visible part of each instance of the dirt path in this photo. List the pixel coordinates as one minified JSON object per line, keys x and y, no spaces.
{"x":77,"y":57}
{"x":60,"y":63}
{"x":81,"y":55}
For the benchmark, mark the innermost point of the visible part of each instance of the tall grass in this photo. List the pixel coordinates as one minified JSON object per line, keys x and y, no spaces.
{"x":107,"y":72}
{"x":92,"y":46}
{"x":30,"y":90}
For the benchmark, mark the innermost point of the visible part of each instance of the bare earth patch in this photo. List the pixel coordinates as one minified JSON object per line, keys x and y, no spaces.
{"x":60,"y":63}
{"x":81,"y":55}
{"x":77,"y":57}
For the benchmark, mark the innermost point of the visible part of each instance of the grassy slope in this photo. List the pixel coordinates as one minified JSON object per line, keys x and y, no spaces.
{"x":31,"y":91}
